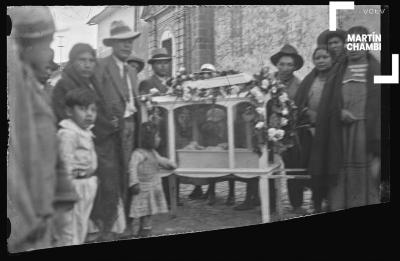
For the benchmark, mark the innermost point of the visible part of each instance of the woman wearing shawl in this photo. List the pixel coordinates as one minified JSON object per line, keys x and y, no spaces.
{"x":307,"y":99}
{"x":345,"y":158}
{"x":79,"y":73}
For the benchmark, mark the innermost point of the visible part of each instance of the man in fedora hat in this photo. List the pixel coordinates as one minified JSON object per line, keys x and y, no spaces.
{"x":118,"y":88}
{"x":160,"y":62}
{"x":287,"y":61}
{"x":36,"y":191}
{"x":335,"y":40}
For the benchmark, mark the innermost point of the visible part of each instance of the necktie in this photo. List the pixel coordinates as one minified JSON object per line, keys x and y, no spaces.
{"x":125,"y":83}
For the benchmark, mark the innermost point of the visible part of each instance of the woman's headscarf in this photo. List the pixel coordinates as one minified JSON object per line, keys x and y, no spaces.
{"x":80,"y":48}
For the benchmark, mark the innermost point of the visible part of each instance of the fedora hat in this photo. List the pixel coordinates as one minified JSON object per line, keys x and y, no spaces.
{"x":32,"y":22}
{"x":119,"y":31}
{"x":159,"y":54}
{"x":288,"y":50}
{"x":326,"y":35}
{"x":136,"y":59}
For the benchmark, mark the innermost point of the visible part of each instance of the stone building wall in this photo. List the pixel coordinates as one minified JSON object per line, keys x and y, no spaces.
{"x":247,"y":36}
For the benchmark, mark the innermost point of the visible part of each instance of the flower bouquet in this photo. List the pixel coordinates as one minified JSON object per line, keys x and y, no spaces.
{"x":275,"y":123}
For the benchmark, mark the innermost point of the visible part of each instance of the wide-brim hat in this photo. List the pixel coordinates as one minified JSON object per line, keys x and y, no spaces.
{"x":159,"y":54}
{"x":326,"y":35}
{"x":136,"y":59}
{"x":119,"y":31}
{"x":32,"y":22}
{"x":288,"y":50}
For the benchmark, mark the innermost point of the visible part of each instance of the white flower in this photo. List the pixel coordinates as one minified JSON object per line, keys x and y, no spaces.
{"x":271,"y":132}
{"x":255,"y":91}
{"x":279,"y":134}
{"x":285,"y":111}
{"x":274,"y":89}
{"x":260,"y":110}
{"x":264,"y":84}
{"x":260,"y":125}
{"x":191,"y":75}
{"x":178,"y":87}
{"x":182,"y":69}
{"x":284,"y":121}
{"x":183,"y":77}
{"x":284,"y":97}
{"x":186,"y":97}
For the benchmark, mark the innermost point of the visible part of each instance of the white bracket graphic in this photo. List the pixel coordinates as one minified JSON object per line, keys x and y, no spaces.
{"x":388,"y":79}
{"x":380,"y":79}
{"x":333,"y":6}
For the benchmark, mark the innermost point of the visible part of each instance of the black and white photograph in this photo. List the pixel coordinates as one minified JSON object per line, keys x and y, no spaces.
{"x":128,"y":122}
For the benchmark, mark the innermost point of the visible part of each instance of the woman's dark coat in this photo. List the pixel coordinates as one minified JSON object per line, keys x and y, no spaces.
{"x":326,"y":157}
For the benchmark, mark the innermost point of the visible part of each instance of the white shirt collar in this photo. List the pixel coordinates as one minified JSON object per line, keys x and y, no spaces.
{"x":71,"y":125}
{"x":119,"y":63}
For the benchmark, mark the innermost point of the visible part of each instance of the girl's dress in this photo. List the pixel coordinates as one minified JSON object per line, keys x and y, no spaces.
{"x":144,"y":168}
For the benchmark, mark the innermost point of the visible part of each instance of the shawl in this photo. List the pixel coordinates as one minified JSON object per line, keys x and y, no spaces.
{"x":326,"y":157}
{"x":70,"y":79}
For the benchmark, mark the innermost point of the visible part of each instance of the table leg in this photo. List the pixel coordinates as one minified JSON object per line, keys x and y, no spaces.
{"x":264,"y":197}
{"x":172,"y":194}
{"x":278,"y":197}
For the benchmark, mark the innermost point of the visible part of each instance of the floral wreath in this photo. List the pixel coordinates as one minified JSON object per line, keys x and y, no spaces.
{"x":276,"y":118}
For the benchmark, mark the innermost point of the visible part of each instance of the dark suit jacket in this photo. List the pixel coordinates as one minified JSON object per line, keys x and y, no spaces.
{"x":152,"y":82}
{"x":108,"y":75}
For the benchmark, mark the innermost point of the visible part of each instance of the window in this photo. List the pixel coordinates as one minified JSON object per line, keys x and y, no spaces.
{"x":168,"y":42}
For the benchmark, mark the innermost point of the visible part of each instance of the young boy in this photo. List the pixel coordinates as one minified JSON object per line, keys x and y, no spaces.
{"x":79,"y":160}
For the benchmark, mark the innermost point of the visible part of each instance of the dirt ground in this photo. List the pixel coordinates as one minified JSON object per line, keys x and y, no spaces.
{"x":196,"y":215}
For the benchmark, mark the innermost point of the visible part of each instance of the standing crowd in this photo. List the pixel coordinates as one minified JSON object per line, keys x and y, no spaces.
{"x":82,"y":162}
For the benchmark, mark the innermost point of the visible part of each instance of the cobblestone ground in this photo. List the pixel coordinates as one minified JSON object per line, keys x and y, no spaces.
{"x":197,"y":216}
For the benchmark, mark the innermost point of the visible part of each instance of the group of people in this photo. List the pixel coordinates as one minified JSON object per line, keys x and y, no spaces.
{"x":339,"y":105}
{"x":82,"y":161}
{"x":77,"y":165}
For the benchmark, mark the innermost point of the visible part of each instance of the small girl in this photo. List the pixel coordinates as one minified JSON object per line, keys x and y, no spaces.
{"x":145,"y":187}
